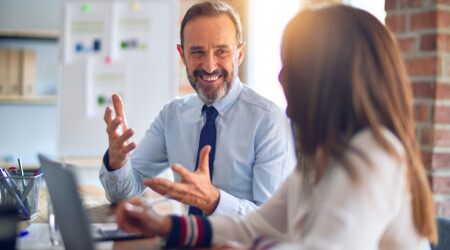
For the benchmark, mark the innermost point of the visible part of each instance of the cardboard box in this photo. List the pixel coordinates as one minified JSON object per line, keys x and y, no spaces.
{"x":28,"y":72}
{"x":4,"y":71}
{"x":14,"y":84}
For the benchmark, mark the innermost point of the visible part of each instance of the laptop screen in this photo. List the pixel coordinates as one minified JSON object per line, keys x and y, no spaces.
{"x":66,"y":201}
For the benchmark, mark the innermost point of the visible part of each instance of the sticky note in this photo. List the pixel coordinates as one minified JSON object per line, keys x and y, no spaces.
{"x":85,"y":7}
{"x":79,"y":47}
{"x":97,"y":45}
{"x":135,"y":5}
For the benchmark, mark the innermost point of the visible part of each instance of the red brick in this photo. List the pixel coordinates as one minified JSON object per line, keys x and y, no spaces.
{"x":446,"y":208}
{"x":424,"y":89}
{"x":427,"y":137}
{"x":435,"y":42}
{"x":407,"y":45}
{"x":423,"y":20}
{"x":421,"y":112}
{"x":443,"y":90}
{"x":441,"y":137}
{"x":440,"y":184}
{"x":428,"y":42}
{"x":430,"y":19}
{"x":447,"y":65}
{"x":396,"y":23}
{"x":443,"y":19}
{"x":426,"y":158}
{"x":437,"y":206}
{"x":432,"y":2}
{"x":440,"y":161}
{"x":423,"y":66}
{"x":441,"y":114}
{"x":411,"y":3}
{"x":390,"y":5}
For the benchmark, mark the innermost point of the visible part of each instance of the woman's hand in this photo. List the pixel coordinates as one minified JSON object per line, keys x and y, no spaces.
{"x":134,"y":217}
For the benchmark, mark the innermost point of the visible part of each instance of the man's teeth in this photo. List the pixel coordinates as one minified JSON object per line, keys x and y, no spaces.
{"x":210,"y":78}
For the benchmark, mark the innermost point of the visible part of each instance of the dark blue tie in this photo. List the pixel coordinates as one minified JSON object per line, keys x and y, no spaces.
{"x":207,"y":137}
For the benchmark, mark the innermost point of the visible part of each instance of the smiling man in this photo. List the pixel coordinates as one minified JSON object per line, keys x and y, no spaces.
{"x":248,"y":138}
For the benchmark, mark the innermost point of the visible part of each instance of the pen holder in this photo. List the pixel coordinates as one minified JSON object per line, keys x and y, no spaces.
{"x":22,"y":193}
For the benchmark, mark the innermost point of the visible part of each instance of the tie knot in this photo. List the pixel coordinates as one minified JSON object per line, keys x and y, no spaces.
{"x":211,"y":113}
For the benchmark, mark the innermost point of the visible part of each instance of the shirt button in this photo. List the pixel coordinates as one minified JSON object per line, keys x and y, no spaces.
{"x":221,"y":113}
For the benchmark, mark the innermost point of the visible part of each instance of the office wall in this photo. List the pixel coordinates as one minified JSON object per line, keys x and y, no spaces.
{"x":28,"y":128}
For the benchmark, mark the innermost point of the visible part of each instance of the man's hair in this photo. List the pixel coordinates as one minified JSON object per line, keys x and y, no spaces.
{"x":212,"y":9}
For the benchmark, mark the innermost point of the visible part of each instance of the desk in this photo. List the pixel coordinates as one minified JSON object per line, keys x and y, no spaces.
{"x":99,"y":211}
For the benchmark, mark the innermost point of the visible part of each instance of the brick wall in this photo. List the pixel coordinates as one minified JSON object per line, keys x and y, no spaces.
{"x":422,"y":28}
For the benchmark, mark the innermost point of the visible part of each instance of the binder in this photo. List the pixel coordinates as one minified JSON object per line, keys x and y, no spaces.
{"x":28,"y":72}
{"x":4,"y":71}
{"x":14,"y":84}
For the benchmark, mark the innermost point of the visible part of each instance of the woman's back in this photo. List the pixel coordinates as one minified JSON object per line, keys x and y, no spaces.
{"x":371,"y":212}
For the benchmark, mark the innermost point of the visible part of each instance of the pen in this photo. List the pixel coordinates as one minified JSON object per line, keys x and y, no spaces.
{"x":147,"y":204}
{"x":21,"y":172}
{"x":27,"y":204}
{"x":3,"y":178}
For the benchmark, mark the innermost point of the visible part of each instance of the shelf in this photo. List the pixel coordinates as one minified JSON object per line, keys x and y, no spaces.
{"x":36,"y":34}
{"x":16,"y":99}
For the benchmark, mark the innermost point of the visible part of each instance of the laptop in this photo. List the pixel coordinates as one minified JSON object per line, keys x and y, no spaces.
{"x":73,"y":223}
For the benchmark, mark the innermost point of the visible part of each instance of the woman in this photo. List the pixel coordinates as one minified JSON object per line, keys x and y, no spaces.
{"x":360,"y":182}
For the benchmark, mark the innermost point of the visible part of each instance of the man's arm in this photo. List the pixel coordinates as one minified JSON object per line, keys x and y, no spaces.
{"x":118,"y":135}
{"x":147,"y":160}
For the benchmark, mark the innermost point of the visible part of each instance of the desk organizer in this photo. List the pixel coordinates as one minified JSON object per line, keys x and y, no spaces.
{"x":20,"y":192}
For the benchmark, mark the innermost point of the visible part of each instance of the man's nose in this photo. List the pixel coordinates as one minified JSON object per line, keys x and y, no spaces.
{"x":210,"y":63}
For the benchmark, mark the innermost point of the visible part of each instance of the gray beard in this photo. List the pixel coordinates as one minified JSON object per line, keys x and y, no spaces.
{"x":221,"y":92}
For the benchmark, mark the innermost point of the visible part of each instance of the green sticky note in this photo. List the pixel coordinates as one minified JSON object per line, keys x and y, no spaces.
{"x":85,"y":7}
{"x":143,"y":46}
{"x":101,"y":100}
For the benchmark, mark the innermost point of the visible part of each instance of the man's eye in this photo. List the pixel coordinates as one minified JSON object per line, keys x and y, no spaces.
{"x":196,"y":52}
{"x":222,"y":52}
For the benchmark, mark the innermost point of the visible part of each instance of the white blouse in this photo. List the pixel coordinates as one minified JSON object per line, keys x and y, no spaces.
{"x":372,"y":213}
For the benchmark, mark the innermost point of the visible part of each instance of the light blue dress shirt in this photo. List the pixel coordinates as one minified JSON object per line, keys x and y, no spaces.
{"x":254,"y":149}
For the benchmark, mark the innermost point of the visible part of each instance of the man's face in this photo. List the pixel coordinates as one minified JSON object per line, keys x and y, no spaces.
{"x":211,"y":55}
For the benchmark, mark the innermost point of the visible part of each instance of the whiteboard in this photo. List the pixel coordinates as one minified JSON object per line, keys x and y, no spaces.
{"x":126,"y":47}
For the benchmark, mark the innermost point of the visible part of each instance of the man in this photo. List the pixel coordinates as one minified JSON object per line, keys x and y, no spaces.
{"x":249,"y":152}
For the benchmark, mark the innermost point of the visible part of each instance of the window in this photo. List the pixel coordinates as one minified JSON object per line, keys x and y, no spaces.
{"x":267,"y":21}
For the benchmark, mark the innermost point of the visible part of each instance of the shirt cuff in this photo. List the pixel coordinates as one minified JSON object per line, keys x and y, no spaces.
{"x":189,"y":231}
{"x":228,"y":204}
{"x":118,"y":172}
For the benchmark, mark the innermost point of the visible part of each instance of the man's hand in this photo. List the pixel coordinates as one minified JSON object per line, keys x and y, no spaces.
{"x":118,"y":134}
{"x":194,"y":189}
{"x":132,"y":216}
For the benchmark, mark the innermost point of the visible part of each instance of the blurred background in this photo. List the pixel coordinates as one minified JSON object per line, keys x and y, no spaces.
{"x":31,"y":119}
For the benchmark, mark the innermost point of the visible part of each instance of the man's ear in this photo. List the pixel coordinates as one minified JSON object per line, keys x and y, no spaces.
{"x":241,"y":50}
{"x":180,"y":51}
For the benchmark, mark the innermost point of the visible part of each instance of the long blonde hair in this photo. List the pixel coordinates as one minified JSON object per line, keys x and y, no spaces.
{"x":344,"y":72}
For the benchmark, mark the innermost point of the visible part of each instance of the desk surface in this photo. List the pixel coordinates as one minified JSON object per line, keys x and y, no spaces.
{"x":99,"y":211}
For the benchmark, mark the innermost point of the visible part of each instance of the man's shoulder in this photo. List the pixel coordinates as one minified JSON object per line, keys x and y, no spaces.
{"x":249,"y":96}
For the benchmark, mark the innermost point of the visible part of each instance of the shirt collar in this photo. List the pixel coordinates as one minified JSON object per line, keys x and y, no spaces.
{"x":225,"y":103}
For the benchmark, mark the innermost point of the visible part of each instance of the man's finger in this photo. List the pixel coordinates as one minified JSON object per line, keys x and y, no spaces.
{"x":185,"y":174}
{"x":123,"y":139}
{"x":203,"y":160}
{"x":111,"y":129}
{"x":108,"y":115}
{"x":158,"y":185}
{"x":118,"y":108}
